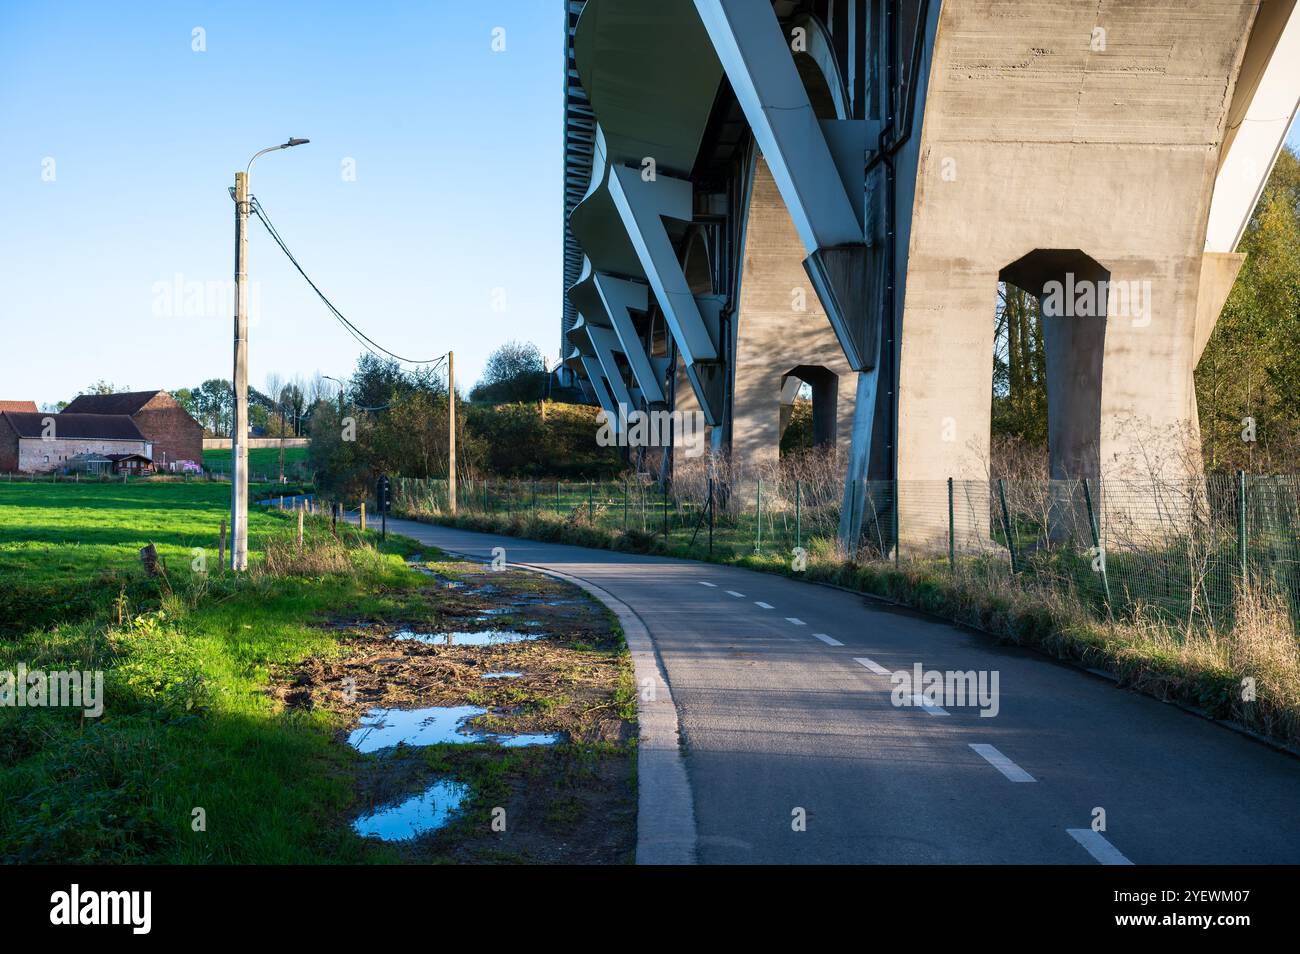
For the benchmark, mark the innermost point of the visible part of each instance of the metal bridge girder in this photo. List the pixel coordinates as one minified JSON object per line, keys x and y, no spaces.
{"x":643,"y":205}
{"x":597,"y":378}
{"x":605,"y":343}
{"x":619,"y":295}
{"x":757,"y":61}
{"x":817,"y":164}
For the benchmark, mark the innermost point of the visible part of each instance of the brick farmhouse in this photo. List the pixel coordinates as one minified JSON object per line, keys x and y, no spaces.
{"x":33,"y":443}
{"x":133,"y":432}
{"x":174,"y":434}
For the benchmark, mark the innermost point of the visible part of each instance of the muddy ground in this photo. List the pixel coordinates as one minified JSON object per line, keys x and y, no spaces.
{"x":573,"y":802}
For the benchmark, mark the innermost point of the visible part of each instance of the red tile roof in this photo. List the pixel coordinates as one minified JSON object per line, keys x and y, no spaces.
{"x":25,"y":406}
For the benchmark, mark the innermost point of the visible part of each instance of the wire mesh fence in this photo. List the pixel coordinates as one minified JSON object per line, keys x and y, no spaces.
{"x":1180,"y":549}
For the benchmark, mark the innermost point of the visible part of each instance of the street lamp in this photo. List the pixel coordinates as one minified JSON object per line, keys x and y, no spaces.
{"x":239,"y":433}
{"x":342,"y":390}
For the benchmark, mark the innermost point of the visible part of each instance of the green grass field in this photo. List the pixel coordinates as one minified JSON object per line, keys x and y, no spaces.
{"x":188,"y":723}
{"x":204,"y":752}
{"x":68,"y":548}
{"x":261,"y":460}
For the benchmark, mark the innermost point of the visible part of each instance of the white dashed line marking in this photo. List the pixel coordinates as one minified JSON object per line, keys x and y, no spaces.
{"x":1095,"y":843}
{"x":827,"y":639}
{"x":762,"y":605}
{"x":706,"y":583}
{"x":1003,"y":764}
{"x":921,"y":702}
{"x":739,"y":596}
{"x":918,"y":699}
{"x":871,"y":664}
{"x":795,"y":621}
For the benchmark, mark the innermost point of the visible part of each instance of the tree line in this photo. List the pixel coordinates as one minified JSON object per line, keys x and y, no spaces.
{"x":391,"y":420}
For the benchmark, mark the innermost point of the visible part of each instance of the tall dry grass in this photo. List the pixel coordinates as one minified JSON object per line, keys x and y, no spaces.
{"x":323,"y":551}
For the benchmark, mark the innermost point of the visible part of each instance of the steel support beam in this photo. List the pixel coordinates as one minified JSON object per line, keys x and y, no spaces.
{"x":619,"y":296}
{"x":818,"y":165}
{"x":1263,"y":107}
{"x":756,"y":58}
{"x":605,"y":343}
{"x":597,"y":378}
{"x":643,"y":205}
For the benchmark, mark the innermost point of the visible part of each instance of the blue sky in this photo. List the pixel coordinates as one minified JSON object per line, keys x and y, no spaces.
{"x":120,"y":142}
{"x":457,"y":191}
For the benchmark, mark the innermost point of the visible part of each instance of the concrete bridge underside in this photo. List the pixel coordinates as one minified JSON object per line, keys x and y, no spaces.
{"x":833,"y":190}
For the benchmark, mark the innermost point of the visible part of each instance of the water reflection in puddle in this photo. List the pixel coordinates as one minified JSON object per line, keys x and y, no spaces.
{"x":385,"y":728}
{"x":415,"y":816}
{"x":536,"y":738}
{"x":490,"y":637}
{"x":501,"y":675}
{"x":428,"y":571}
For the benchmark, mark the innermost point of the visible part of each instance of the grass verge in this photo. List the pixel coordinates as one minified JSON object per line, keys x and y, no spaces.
{"x":196,"y":758}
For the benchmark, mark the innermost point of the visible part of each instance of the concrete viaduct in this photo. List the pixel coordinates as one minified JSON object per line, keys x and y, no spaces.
{"x":760,"y":193}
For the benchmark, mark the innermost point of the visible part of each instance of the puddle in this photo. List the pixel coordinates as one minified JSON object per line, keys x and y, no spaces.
{"x":537,"y":738}
{"x":415,"y":816}
{"x":490,"y":637}
{"x":385,"y":728}
{"x":449,"y":584}
{"x":520,"y":604}
{"x":501,"y":675}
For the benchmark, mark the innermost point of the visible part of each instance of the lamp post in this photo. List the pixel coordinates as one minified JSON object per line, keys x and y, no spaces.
{"x":239,"y":432}
{"x":342,"y":390}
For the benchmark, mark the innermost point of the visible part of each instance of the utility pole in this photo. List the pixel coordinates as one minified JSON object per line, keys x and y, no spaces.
{"x":239,"y":432}
{"x":451,"y":431}
{"x":282,"y":448}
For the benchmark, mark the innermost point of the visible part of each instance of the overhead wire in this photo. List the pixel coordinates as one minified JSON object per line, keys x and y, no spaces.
{"x":362,"y":338}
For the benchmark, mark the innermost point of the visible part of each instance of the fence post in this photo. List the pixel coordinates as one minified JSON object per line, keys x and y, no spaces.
{"x":1006,"y":524}
{"x":798,"y":522}
{"x":758,"y":521}
{"x":301,"y":513}
{"x":710,"y":516}
{"x":363,"y":516}
{"x":897,"y":542}
{"x":1095,"y":526}
{"x":1241,"y":524}
{"x":664,"y":483}
{"x":952,"y":542}
{"x":853,"y":505}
